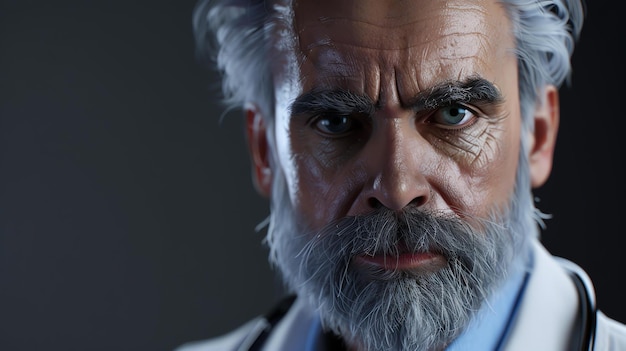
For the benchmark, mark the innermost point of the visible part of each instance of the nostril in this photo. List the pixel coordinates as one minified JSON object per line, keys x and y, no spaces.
{"x":418,"y":201}
{"x":374,"y":203}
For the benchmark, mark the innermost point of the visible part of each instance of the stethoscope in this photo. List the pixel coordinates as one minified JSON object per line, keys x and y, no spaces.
{"x":583,"y":340}
{"x":588,"y":312}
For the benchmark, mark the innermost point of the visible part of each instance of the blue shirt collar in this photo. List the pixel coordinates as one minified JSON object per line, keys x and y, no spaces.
{"x":488,"y":329}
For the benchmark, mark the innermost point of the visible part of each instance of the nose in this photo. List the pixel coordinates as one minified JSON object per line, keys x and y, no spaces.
{"x":396,"y":167}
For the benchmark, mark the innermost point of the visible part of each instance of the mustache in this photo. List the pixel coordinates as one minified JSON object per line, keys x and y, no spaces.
{"x":390,"y":233}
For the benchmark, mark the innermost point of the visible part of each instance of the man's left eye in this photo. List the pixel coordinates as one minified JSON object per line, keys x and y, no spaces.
{"x":453,"y":116}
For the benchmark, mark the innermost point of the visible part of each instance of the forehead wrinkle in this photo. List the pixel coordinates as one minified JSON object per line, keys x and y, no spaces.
{"x":335,"y":45}
{"x":369,"y":29}
{"x":385,"y":26}
{"x":383,"y":19}
{"x":343,"y":68}
{"x":410,"y":19}
{"x":332,"y":45}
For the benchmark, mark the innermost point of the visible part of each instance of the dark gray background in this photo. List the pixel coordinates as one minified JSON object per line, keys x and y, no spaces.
{"x":127,"y":213}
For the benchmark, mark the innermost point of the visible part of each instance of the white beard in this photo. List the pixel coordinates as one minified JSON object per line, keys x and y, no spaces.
{"x":398,"y":310}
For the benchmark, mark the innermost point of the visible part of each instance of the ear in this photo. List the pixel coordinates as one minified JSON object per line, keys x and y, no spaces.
{"x":259,"y":149}
{"x":543,"y":140}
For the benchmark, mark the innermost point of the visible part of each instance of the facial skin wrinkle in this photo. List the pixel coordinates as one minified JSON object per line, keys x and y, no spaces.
{"x":489,"y":142}
{"x":484,"y":47}
{"x":467,"y":7}
{"x":477,"y":155}
{"x":386,"y":93}
{"x":445,"y":193}
{"x":327,"y":42}
{"x":335,"y":43}
{"x":462,"y":151}
{"x":473,"y":140}
{"x":476,"y":34}
{"x":316,"y":44}
{"x":327,"y":20}
{"x":397,"y":82}
{"x":477,"y":145}
{"x":481,"y":13}
{"x":340,"y":79}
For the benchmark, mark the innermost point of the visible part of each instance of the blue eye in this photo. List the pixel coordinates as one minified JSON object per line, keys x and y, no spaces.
{"x":453,"y":116}
{"x":335,"y":125}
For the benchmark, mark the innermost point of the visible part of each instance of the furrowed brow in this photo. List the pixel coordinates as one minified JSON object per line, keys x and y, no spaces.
{"x":475,"y":89}
{"x":339,"y":102}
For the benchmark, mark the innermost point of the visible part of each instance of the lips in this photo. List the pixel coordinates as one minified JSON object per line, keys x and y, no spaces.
{"x":406,"y":261}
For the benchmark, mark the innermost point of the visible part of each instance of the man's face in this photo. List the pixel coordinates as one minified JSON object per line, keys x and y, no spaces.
{"x":398,"y":103}
{"x":398,"y":134}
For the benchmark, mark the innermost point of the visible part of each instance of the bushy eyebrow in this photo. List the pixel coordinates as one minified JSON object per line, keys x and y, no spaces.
{"x":345,"y":103}
{"x":474,"y":89}
{"x":337,"y":101}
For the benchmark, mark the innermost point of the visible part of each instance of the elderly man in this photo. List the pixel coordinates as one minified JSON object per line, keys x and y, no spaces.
{"x":398,"y":142}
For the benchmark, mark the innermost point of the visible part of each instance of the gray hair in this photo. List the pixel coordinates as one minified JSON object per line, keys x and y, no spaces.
{"x":233,"y":34}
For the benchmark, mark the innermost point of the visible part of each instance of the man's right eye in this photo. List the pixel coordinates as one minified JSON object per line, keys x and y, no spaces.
{"x":335,"y":125}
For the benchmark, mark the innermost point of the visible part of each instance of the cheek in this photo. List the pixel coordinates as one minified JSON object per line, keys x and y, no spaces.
{"x":490,"y":175}
{"x":323,"y":187}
